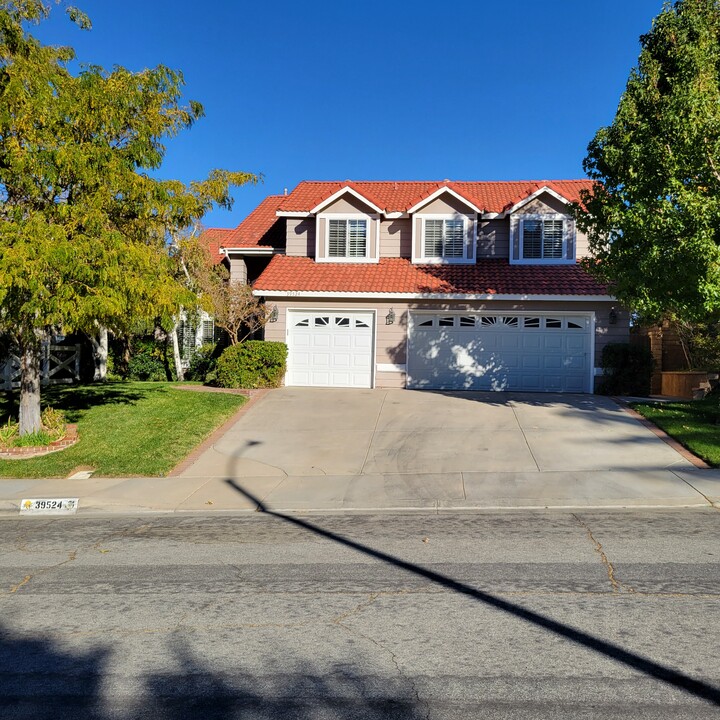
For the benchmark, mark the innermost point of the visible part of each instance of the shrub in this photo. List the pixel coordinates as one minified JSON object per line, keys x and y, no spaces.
{"x":252,"y":364}
{"x":627,"y":369}
{"x":146,"y":362}
{"x":202,"y":362}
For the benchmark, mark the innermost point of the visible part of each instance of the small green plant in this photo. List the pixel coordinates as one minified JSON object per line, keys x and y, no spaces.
{"x":53,"y":427}
{"x":53,"y":422}
{"x":8,"y":432}
{"x":627,"y":370}
{"x":252,"y":364}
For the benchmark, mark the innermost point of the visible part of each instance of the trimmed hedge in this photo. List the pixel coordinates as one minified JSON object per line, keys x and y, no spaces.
{"x":627,"y":369}
{"x":252,"y":364}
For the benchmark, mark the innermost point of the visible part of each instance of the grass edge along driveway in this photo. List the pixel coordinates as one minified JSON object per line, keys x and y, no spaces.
{"x":694,"y":424}
{"x":125,"y":428}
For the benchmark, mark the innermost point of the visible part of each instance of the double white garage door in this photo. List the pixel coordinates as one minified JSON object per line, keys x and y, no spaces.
{"x":475,"y":351}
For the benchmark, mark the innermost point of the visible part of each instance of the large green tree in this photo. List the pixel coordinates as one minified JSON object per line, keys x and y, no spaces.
{"x":83,"y":225}
{"x":653,"y":217}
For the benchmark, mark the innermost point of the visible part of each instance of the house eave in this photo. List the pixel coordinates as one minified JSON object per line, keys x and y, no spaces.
{"x":339,"y":295}
{"x":247,"y":251}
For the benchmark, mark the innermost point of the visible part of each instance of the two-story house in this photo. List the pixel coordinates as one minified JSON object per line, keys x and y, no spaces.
{"x":437,"y":285}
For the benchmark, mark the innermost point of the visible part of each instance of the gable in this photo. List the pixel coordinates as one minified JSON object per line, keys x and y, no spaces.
{"x":347,"y":204}
{"x":543,"y":204}
{"x":445,"y":204}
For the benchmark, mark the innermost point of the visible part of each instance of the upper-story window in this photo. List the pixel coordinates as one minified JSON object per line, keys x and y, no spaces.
{"x":347,"y":238}
{"x":444,"y":238}
{"x":547,"y":238}
{"x":542,"y":239}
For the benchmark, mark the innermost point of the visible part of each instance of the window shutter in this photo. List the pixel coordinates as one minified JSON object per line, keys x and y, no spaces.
{"x":454,"y":238}
{"x":433,"y":240}
{"x":552,"y":239}
{"x":532,"y":238}
{"x":337,"y":231}
{"x":357,"y":238}
{"x":570,"y":239}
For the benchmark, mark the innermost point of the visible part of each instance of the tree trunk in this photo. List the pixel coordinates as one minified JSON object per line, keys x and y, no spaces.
{"x":100,"y":354}
{"x":179,"y":372}
{"x":30,"y":356}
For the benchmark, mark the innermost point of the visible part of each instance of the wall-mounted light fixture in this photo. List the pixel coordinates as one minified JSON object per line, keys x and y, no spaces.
{"x":273,"y":314}
{"x":613,"y":316}
{"x":390,"y":317}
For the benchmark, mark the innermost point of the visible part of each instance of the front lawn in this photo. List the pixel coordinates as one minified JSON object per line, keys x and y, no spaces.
{"x":126,"y":428}
{"x":696,"y":425}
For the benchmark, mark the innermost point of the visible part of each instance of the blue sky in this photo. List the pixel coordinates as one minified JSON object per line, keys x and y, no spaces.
{"x":377,"y":90}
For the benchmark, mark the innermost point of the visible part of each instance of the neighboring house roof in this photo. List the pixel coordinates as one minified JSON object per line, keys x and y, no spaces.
{"x":214,"y":239}
{"x":491,"y":197}
{"x":252,"y":230}
{"x":399,"y":276}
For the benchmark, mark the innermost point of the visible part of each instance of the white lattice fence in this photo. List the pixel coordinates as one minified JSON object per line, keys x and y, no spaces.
{"x":60,"y":364}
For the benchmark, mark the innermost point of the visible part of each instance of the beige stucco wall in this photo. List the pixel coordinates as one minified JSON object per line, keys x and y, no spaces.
{"x":391,"y":340}
{"x":396,"y":238}
{"x":494,"y":239}
{"x":300,"y":236}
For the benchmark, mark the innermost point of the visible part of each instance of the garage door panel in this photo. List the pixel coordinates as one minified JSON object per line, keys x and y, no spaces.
{"x":500,"y":353}
{"x":330,"y":349}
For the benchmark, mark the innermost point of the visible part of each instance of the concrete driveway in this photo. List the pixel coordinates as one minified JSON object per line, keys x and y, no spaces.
{"x":311,"y":448}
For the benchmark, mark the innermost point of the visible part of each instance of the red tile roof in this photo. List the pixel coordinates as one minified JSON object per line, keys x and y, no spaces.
{"x":250,"y":232}
{"x":492,"y":197}
{"x":214,"y":239}
{"x":399,"y":276}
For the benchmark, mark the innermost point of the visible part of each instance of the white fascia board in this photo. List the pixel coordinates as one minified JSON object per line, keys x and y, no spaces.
{"x":439,"y":192}
{"x":395,"y":215}
{"x":247,"y":250}
{"x":530,"y":198}
{"x":342,"y":191}
{"x":294,"y":213}
{"x":429,"y":296}
{"x":491,"y":216}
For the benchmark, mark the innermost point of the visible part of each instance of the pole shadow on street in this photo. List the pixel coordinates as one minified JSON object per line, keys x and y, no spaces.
{"x":645,"y":665}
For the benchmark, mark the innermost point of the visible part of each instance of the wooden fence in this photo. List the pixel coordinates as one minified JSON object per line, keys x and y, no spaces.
{"x":59,"y":364}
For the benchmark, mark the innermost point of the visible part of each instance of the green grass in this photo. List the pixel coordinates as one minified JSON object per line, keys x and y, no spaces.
{"x":125,"y":428}
{"x":696,"y":425}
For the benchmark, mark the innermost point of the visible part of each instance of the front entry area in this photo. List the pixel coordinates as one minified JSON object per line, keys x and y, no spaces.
{"x":535,"y":352}
{"x":330,"y":349}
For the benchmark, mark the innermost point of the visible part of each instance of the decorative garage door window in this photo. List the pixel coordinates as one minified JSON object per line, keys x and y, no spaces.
{"x":539,"y":352}
{"x":330,"y":349}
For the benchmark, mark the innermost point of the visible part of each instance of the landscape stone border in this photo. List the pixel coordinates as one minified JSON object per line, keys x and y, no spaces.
{"x":25,"y":453}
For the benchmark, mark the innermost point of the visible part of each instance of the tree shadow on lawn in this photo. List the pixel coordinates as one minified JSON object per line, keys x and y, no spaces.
{"x":73,"y":400}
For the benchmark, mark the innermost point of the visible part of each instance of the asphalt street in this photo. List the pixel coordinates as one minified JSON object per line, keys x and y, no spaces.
{"x":516,"y":614}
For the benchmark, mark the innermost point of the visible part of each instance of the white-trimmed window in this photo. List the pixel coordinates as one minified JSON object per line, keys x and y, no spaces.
{"x":347,"y":238}
{"x":444,"y":239}
{"x":543,"y":239}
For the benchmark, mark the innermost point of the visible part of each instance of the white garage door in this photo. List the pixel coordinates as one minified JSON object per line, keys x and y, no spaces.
{"x":330,"y":349}
{"x":483,"y":351}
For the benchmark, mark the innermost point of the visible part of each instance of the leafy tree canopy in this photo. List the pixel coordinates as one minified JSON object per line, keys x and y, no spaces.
{"x":653,"y":217}
{"x":83,"y":225}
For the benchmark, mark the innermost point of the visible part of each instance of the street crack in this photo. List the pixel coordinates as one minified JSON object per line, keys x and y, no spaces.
{"x":617,"y":586}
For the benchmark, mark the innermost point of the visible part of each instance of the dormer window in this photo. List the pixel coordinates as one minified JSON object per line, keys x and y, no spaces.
{"x":444,"y":238}
{"x":347,"y":238}
{"x":542,"y":238}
